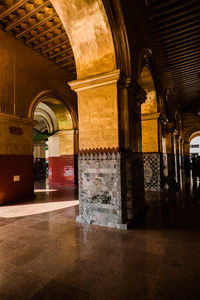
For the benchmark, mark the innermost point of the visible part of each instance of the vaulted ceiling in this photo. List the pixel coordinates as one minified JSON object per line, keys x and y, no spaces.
{"x":178,"y":33}
{"x":37,"y":23}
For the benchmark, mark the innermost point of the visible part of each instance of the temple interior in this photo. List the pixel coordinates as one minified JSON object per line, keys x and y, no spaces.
{"x":99,"y":149}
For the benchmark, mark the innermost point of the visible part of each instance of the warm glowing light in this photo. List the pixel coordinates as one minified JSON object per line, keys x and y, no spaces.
{"x":13,"y":211}
{"x":44,"y":190}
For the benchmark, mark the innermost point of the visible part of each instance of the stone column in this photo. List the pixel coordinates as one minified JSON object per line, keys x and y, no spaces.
{"x":151,"y":151}
{"x":132,"y":159}
{"x":170,"y":148}
{"x":105,"y":160}
{"x":16,"y":158}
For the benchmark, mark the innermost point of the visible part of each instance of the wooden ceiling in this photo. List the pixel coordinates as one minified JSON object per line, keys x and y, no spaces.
{"x":37,"y":23}
{"x":178,"y":24}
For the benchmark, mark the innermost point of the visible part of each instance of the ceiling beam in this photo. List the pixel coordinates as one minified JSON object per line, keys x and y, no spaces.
{"x":67,"y":64}
{"x":178,"y":15}
{"x":184,"y":49}
{"x":184,"y":55}
{"x":60,"y":53}
{"x":179,"y":33}
{"x":71,"y":69}
{"x":171,"y":9}
{"x":64,"y":58}
{"x":50,"y":40}
{"x":194,"y":41}
{"x":19,"y":35}
{"x":55,"y":46}
{"x":186,"y":69}
{"x":43,"y":33}
{"x":196,"y":13}
{"x":12,"y":8}
{"x":187,"y":77}
{"x":181,"y":27}
{"x":26,"y":16}
{"x":179,"y":36}
{"x":177,"y":60}
{"x":182,"y":40}
{"x":163,"y":4}
{"x":187,"y":63}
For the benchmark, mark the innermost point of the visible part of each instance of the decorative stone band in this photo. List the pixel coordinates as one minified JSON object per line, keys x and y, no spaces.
{"x":99,"y":156}
{"x":100,"y":150}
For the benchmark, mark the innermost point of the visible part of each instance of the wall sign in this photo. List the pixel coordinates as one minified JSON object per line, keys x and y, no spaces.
{"x":16,"y":130}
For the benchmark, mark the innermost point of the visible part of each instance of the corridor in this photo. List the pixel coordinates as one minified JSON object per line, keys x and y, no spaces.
{"x":50,"y":256}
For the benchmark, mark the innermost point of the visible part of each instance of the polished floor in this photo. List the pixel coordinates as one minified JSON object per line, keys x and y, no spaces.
{"x":49,"y":256}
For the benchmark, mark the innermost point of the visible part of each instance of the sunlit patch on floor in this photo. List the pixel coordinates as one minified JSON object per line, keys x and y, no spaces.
{"x":44,"y":190}
{"x":13,"y":211}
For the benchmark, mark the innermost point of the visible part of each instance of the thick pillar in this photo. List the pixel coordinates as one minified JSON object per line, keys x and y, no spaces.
{"x":62,"y":158}
{"x":107,"y":183}
{"x":16,"y":158}
{"x":99,"y":162}
{"x":170,"y":149}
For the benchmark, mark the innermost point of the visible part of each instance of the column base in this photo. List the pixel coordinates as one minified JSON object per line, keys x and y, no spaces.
{"x":111,"y":189}
{"x":124,"y":226}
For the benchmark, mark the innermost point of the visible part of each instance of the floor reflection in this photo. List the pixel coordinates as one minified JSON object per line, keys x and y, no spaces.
{"x":174,"y":209}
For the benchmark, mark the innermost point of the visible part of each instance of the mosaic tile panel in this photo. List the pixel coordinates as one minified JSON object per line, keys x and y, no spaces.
{"x":152,"y":171}
{"x":100,"y":189}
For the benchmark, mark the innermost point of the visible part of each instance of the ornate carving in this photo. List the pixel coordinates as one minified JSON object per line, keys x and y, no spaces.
{"x":99,"y":150}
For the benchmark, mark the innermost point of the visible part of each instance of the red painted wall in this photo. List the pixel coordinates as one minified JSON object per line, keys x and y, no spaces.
{"x":11,"y":165}
{"x":61,"y":170}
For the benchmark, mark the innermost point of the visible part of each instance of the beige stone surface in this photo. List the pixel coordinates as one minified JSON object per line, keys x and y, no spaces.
{"x":150,"y":135}
{"x":12,"y":143}
{"x":87,"y":25}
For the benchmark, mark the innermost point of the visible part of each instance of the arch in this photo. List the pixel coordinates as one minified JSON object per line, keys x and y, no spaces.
{"x":52,"y":94}
{"x":45,"y":113}
{"x":147,"y":83}
{"x":194,"y":135}
{"x":60,"y":140}
{"x":87,"y":25}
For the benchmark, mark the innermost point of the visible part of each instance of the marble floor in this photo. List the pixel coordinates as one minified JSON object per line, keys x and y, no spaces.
{"x":47,"y":255}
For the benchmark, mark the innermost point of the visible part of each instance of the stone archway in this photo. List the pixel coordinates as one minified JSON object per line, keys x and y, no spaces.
{"x":102,"y":118}
{"x":61,"y":138}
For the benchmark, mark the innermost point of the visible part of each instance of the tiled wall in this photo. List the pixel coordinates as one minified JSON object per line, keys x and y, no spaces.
{"x":15,"y":165}
{"x":110,"y":188}
{"x":100,"y":189}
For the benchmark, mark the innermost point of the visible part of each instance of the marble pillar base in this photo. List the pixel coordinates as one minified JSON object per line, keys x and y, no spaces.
{"x":110,"y":188}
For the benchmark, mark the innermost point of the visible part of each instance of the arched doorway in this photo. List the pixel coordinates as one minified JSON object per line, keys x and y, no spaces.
{"x":55,"y":141}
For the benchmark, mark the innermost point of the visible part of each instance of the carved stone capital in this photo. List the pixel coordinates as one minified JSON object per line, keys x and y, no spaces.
{"x":134,"y":88}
